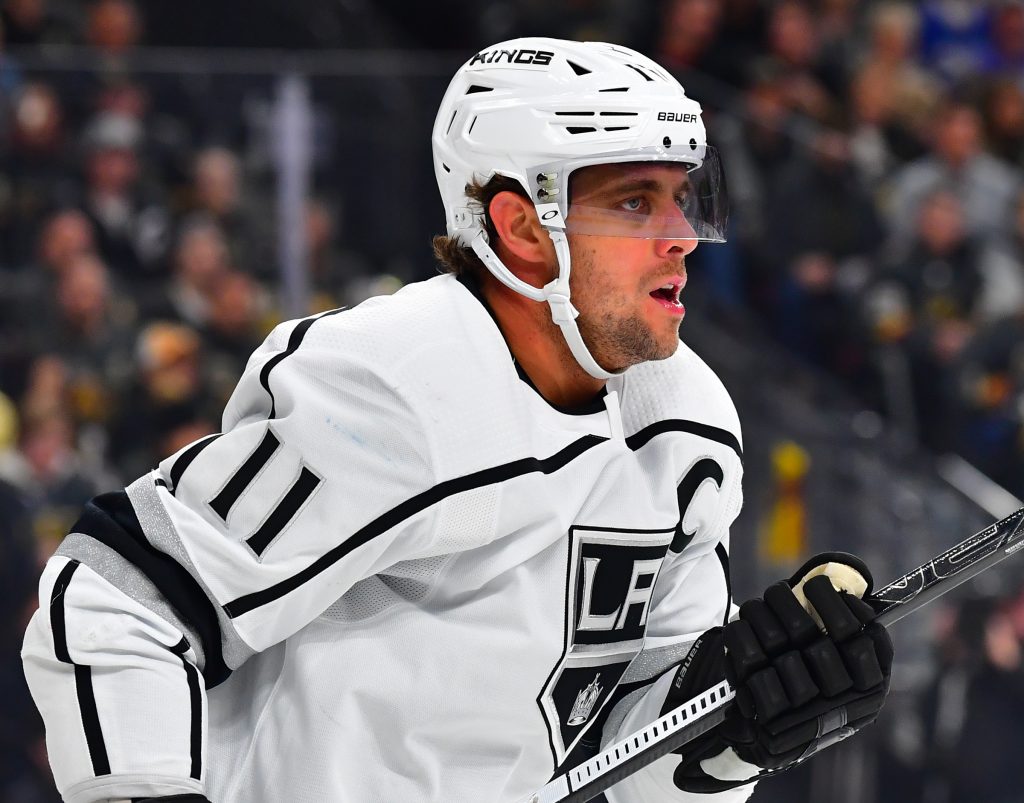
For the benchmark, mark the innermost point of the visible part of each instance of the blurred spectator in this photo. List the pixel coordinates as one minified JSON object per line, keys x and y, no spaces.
{"x":113,"y":27}
{"x":739,"y":40}
{"x":27,"y":295}
{"x":37,"y":22}
{"x":66,"y":234}
{"x":891,"y":58}
{"x":955,"y":36}
{"x":218,"y":196}
{"x":825,"y":229}
{"x":991,"y":380}
{"x":938,"y":282}
{"x":48,"y":471}
{"x":1007,"y":37}
{"x":811,"y":79}
{"x":1002,"y":268}
{"x":91,"y":329}
{"x":974,"y":708}
{"x":200,"y":260}
{"x":760,"y":147}
{"x":985,"y":185}
{"x":168,"y":403}
{"x":22,"y":777}
{"x":132,"y":227}
{"x":687,"y":38}
{"x":1003,"y":112}
{"x":36,"y":165}
{"x":333,"y":269}
{"x":232,"y":332}
{"x":991,"y":376}
{"x":879,"y":140}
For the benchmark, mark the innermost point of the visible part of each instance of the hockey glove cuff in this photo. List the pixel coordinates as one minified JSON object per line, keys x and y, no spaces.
{"x":810,"y":667}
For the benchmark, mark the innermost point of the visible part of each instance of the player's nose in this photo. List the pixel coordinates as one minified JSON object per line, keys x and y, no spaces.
{"x":676,"y":247}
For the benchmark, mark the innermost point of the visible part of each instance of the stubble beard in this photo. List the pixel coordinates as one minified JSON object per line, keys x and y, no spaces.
{"x":618,"y":343}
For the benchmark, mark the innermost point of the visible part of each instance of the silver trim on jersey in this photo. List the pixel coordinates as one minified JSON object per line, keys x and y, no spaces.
{"x":130,"y":580}
{"x":160,"y":532}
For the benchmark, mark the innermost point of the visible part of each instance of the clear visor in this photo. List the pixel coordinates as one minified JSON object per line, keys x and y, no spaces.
{"x":667,"y":202}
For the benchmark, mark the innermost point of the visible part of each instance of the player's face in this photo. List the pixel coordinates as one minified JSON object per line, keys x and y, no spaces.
{"x":627,"y":288}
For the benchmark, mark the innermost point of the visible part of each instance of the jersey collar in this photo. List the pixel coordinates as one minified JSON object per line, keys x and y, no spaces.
{"x":590,"y":407}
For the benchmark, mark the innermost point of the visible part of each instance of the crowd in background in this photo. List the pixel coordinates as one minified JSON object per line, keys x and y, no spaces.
{"x":875,"y":156}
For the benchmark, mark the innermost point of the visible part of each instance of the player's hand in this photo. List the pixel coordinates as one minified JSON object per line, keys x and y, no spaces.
{"x":810,"y":667}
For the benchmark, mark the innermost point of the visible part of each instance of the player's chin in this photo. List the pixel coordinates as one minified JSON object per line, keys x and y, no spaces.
{"x":656,"y":346}
{"x":667,"y":346}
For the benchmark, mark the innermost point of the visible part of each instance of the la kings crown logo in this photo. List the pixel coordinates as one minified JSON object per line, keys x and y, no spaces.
{"x":585,"y":702}
{"x":611,"y":581}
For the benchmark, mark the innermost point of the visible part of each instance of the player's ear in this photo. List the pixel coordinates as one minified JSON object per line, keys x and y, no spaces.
{"x":515,"y":220}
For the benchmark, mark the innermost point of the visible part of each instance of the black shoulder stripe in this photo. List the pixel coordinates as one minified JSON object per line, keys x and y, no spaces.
{"x":83,"y":674}
{"x":723,"y":557}
{"x":57,"y":625}
{"x":723,"y":436}
{"x":190,"y":454}
{"x":196,"y":702}
{"x":91,"y":720}
{"x":111,"y":520}
{"x":409,"y":508}
{"x":294,"y":341}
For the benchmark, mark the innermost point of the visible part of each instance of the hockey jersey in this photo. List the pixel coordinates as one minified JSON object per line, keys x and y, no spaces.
{"x":397,"y":574}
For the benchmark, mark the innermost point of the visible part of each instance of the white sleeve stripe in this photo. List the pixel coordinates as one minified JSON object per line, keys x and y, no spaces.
{"x":83,"y":674}
{"x":196,"y":701}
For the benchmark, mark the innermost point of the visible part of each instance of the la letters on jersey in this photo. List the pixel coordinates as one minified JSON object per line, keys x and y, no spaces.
{"x":610,"y":583}
{"x":524,"y":56}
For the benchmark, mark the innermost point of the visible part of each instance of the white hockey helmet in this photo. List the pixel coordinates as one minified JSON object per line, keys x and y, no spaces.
{"x":535,"y":110}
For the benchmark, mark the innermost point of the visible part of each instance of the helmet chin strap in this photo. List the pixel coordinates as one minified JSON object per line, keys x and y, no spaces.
{"x":555,"y":292}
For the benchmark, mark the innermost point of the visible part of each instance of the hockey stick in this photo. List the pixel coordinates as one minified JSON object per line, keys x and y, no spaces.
{"x":694,"y":717}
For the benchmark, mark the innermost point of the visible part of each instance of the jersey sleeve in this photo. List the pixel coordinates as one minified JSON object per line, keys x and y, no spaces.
{"x":320,"y":478}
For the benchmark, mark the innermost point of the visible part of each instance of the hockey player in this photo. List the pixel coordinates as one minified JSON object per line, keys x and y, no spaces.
{"x":449,"y":540}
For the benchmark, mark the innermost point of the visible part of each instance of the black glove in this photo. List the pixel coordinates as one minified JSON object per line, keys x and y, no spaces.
{"x":800,"y":685}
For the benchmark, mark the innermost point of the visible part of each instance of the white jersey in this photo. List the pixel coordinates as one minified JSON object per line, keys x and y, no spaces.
{"x":399,"y":574}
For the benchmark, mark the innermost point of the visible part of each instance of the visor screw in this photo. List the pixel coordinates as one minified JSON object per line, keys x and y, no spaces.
{"x":693,"y":144}
{"x":667,"y":142}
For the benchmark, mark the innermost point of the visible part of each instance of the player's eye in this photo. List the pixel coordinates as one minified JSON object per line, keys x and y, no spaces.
{"x":634,"y":204}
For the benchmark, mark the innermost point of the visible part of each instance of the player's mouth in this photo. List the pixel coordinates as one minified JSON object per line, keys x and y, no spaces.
{"x":667,"y":295}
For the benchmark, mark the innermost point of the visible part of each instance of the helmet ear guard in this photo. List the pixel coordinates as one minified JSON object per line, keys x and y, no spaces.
{"x":535,"y":110}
